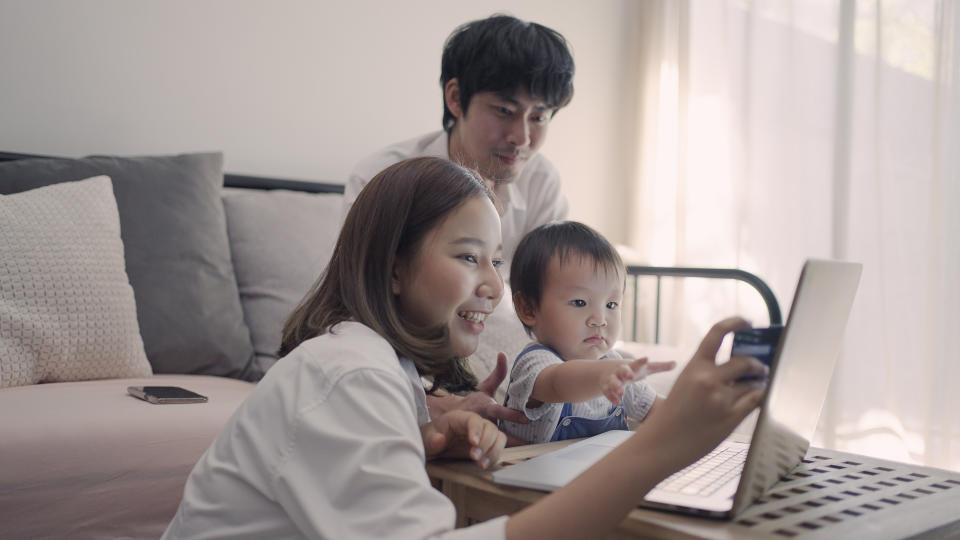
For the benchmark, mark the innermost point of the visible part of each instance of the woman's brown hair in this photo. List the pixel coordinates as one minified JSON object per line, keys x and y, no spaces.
{"x":387,"y":224}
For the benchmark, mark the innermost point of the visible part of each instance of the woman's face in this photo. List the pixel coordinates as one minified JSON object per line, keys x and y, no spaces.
{"x":453,"y":279}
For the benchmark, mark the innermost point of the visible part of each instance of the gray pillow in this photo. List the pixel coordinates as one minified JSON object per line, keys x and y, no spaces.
{"x":176,"y":252}
{"x":273,"y":276}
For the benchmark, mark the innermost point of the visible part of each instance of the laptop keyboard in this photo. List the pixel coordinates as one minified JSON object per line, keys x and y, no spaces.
{"x":708,"y":474}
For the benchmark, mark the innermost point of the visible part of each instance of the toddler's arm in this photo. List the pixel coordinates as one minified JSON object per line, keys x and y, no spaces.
{"x":582,"y":380}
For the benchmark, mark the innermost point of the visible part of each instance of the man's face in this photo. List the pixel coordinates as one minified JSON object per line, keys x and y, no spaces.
{"x":499,"y":133}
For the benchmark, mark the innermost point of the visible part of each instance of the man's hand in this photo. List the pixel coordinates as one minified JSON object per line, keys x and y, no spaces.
{"x":462,"y":434}
{"x":481,"y":401}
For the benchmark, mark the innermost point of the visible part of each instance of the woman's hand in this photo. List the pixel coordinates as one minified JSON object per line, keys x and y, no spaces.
{"x":462,"y":434}
{"x":707,"y":402}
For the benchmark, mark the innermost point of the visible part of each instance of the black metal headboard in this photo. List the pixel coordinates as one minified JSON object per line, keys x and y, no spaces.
{"x":635,"y":272}
{"x":234,"y":180}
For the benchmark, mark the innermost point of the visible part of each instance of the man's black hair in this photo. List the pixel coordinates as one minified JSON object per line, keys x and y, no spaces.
{"x":504,"y":54}
{"x":563,"y":239}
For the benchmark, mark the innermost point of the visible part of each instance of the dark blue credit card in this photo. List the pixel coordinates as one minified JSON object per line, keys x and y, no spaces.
{"x":760,"y":343}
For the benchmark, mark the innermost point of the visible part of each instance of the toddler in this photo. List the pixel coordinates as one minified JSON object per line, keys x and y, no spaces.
{"x":568,"y":283}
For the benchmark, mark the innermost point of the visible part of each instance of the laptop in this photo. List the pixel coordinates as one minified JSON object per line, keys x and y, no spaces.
{"x":739,"y":470}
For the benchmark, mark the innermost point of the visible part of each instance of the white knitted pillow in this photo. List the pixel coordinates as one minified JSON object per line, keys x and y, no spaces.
{"x":67,"y":311}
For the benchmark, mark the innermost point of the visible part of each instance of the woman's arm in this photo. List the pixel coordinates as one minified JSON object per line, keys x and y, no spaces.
{"x":703,"y":407}
{"x":355,"y":467}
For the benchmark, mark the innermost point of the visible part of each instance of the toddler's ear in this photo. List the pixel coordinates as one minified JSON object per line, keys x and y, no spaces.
{"x":525,"y":309}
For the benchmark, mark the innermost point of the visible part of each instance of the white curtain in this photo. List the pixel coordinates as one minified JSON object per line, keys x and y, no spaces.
{"x":773,"y":131}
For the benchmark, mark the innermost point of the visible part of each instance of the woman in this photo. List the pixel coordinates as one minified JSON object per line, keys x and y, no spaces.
{"x":332,"y":442}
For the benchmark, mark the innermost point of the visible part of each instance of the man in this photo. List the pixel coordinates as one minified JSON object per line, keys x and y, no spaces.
{"x":503,"y":79}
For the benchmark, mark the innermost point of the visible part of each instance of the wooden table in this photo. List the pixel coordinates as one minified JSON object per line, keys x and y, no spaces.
{"x":849,"y":503}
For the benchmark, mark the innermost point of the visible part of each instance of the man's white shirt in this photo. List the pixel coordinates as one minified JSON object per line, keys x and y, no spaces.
{"x":533,"y":199}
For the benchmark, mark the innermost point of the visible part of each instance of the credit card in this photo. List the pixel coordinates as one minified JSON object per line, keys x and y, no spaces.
{"x":760,"y":343}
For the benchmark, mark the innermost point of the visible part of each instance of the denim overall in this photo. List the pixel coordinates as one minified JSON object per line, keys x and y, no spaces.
{"x":573,"y":427}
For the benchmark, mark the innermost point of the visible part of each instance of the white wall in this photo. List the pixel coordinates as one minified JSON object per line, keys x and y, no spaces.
{"x":290,"y":88}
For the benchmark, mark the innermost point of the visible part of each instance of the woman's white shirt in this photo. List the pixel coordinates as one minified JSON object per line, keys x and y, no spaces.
{"x":327,"y":445}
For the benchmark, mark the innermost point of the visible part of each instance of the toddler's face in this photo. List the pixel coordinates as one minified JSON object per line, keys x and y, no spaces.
{"x":579,"y":312}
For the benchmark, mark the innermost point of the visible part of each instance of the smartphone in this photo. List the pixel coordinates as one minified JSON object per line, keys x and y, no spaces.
{"x":165,"y":394}
{"x":760,"y":343}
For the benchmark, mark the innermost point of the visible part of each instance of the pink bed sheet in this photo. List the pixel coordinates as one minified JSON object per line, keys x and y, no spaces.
{"x":86,"y":460}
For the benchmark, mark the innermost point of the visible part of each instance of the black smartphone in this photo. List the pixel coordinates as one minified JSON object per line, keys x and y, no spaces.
{"x":165,"y":394}
{"x":760,"y":343}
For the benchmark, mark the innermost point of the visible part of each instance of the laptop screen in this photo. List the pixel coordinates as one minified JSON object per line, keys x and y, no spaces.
{"x":803,"y":368}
